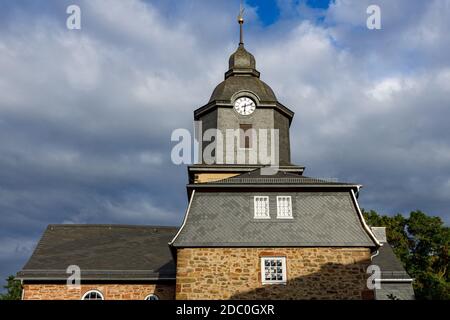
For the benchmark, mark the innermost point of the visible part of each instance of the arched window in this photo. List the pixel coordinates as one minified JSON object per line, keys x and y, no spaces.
{"x":93,"y":295}
{"x":152,"y":297}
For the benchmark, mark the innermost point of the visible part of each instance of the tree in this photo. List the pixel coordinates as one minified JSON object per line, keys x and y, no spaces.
{"x":422,"y":244}
{"x":14,"y":289}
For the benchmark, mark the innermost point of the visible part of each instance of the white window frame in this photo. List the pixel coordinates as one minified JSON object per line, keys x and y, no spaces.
{"x":255,"y":207}
{"x":92,"y":291}
{"x":151,"y":295}
{"x":279,"y":216}
{"x":283,"y":270}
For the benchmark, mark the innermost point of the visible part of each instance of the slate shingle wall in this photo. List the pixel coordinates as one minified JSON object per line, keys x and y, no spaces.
{"x":226,"y":219}
{"x":395,"y":291}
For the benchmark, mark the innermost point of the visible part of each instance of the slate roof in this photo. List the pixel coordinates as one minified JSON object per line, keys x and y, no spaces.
{"x":280,"y":177}
{"x":394,"y":280}
{"x":242,"y":60}
{"x":103,"y":252}
{"x":242,"y":75}
{"x":389,"y":263}
{"x":401,"y":291}
{"x":227,"y":219}
{"x":225,"y":90}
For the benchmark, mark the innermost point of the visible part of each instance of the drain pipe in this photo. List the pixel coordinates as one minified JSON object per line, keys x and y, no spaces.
{"x":23,"y":289}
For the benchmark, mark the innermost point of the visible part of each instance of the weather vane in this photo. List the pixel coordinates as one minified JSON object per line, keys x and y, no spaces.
{"x":241,"y":22}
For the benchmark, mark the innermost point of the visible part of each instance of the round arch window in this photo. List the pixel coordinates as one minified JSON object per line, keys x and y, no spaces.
{"x":152,"y":297}
{"x":93,"y":295}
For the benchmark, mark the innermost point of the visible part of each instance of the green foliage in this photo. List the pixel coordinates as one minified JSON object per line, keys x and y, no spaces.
{"x":14,"y":290}
{"x":422,"y":244}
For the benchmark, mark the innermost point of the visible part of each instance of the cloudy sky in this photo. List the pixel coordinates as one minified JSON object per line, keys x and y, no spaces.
{"x":86,"y":115}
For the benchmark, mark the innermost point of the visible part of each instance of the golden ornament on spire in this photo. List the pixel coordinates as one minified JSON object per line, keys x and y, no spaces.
{"x":241,"y":22}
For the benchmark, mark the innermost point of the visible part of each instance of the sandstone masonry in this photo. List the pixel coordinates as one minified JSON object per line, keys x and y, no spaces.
{"x":109,"y":291}
{"x":235,"y":273}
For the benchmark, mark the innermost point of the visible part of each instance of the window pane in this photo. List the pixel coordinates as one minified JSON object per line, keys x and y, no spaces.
{"x":284,"y":207}
{"x":92,"y":295}
{"x":261,"y":207}
{"x":273,"y":270}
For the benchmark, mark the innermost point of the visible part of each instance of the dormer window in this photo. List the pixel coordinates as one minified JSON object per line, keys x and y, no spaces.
{"x":284,"y":207}
{"x":261,"y":207}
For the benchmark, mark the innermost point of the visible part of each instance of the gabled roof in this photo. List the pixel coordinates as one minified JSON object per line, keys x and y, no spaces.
{"x":103,"y":252}
{"x":226,"y":218}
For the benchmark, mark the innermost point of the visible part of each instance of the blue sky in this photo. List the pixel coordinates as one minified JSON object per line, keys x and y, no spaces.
{"x":269,"y":11}
{"x":86,"y":116}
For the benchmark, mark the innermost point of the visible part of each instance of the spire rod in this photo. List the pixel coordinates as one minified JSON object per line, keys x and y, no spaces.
{"x":241,"y":22}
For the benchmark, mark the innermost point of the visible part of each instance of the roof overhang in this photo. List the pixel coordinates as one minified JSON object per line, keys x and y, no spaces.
{"x":238,"y":169}
{"x":228,"y":104}
{"x":270,"y":186}
{"x":94,"y":275}
{"x":273,"y":245}
{"x":220,"y":187}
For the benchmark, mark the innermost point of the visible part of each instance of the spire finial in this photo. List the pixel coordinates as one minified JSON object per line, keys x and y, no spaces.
{"x":241,"y":22}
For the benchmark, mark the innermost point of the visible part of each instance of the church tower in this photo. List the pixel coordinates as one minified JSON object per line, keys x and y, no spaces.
{"x":247,"y":234}
{"x":252,"y":124}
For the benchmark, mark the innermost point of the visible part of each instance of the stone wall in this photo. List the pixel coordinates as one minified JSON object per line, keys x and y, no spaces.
{"x":312,"y":273}
{"x":109,"y":291}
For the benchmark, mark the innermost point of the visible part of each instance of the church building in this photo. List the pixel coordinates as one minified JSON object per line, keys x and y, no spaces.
{"x":252,"y":229}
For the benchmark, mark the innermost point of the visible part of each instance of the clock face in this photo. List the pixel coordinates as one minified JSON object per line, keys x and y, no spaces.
{"x":244,"y":106}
